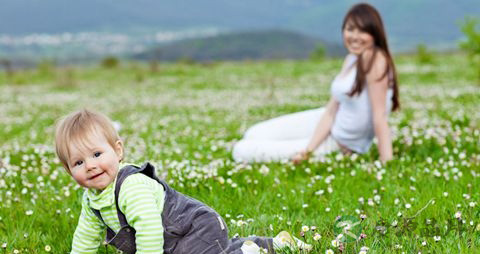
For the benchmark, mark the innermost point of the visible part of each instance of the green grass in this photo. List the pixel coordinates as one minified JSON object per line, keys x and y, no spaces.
{"x":185,"y":119}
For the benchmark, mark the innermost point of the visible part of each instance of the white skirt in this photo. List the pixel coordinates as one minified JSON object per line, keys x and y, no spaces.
{"x":280,"y":138}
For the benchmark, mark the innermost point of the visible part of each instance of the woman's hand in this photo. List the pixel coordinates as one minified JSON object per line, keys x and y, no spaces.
{"x":301,"y":156}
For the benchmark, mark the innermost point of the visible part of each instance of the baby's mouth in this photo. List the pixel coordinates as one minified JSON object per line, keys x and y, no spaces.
{"x":97,"y":175}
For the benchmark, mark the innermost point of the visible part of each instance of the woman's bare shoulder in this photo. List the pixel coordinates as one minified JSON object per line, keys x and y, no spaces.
{"x":376,"y":62}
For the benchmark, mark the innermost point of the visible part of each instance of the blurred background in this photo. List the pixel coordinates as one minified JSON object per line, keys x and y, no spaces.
{"x":79,"y":32}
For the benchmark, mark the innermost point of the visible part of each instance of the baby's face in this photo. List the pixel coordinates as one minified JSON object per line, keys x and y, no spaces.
{"x":94,"y":162}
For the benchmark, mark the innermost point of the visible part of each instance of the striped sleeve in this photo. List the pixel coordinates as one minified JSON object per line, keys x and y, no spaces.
{"x":88,"y":234}
{"x":141,"y":199}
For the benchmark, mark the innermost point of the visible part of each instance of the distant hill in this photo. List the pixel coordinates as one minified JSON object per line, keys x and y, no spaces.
{"x":409,"y":22}
{"x":270,"y":44}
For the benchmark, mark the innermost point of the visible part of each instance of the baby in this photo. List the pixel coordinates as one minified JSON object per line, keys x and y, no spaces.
{"x":139,"y":211}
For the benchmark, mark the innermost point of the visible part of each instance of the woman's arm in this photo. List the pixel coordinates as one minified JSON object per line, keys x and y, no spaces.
{"x":321,"y":131}
{"x":326,"y":121}
{"x":324,"y":125}
{"x":377,"y":87}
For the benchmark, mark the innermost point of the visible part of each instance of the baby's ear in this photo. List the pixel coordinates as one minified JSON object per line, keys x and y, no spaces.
{"x":119,"y":149}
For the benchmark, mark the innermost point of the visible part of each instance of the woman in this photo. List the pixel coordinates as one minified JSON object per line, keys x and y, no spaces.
{"x":363,"y":94}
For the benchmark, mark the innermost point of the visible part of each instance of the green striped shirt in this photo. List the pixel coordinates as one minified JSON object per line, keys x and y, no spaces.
{"x":141,"y":199}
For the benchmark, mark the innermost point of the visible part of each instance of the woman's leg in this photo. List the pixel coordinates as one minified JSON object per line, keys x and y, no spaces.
{"x":251,"y":150}
{"x":292,"y":126}
{"x":273,"y":150}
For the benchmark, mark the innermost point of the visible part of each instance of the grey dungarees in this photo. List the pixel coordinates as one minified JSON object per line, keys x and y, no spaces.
{"x":190,"y":227}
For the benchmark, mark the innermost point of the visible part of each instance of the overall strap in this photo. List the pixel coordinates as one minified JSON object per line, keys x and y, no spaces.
{"x":97,"y":213}
{"x":147,"y":169}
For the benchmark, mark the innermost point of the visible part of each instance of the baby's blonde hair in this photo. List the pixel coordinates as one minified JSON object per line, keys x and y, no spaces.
{"x":76,"y":127}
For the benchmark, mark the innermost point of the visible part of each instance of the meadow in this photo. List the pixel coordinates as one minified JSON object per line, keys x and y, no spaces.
{"x":184,"y":118}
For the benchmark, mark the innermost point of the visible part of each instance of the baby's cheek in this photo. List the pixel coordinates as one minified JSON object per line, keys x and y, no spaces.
{"x":114,"y":166}
{"x":78,"y":177}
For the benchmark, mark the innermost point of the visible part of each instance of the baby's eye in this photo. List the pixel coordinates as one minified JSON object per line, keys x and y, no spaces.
{"x":97,"y":154}
{"x":78,"y":163}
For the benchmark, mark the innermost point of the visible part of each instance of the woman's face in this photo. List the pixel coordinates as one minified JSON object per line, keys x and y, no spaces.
{"x":356,"y":41}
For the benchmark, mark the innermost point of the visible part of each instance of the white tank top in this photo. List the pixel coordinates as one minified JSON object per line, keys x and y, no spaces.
{"x":353,"y":124}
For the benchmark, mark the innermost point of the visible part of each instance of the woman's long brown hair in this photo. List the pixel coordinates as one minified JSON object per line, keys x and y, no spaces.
{"x":368,"y":20}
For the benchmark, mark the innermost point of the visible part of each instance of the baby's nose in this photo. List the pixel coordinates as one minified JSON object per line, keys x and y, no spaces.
{"x":90,"y":164}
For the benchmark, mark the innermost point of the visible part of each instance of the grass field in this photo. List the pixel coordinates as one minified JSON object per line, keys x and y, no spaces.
{"x":185,"y":118}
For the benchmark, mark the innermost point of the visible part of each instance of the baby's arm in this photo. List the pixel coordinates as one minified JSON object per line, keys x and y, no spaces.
{"x":141,"y":199}
{"x":88,"y":234}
